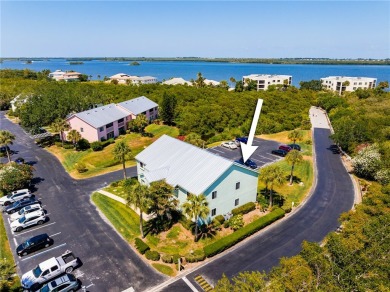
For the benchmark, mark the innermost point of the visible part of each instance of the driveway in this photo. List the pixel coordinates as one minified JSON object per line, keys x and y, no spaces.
{"x":109,"y":263}
{"x":333,"y":195}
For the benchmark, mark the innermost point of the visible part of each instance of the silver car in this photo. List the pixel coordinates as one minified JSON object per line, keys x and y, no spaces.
{"x":65,"y":283}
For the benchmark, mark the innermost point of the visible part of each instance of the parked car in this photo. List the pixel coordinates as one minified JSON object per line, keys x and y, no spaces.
{"x":30,"y":219}
{"x":49,"y":269}
{"x":65,"y":283}
{"x":19,"y":160}
{"x":25,"y":210}
{"x":15,"y":207}
{"x":279,"y":152}
{"x":249,"y":163}
{"x":33,"y":244}
{"x":285,"y":148}
{"x":230,"y":145}
{"x":15,"y":196}
{"x":241,"y":139}
{"x":295,"y":146}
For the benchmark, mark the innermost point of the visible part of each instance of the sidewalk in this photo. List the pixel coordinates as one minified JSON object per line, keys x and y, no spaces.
{"x":146,"y":217}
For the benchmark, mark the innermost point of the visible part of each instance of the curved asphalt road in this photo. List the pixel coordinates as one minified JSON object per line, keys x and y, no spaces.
{"x":333,"y":195}
{"x":109,"y":264}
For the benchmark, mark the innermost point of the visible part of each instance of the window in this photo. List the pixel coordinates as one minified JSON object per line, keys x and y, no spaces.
{"x":54,"y":268}
{"x":214,"y":195}
{"x":109,"y":125}
{"x":236,"y":202}
{"x":354,"y":88}
{"x":151,"y":110}
{"x":213,"y":212}
{"x":81,"y":130}
{"x":101,"y":129}
{"x":141,"y":165}
{"x":237,"y":185}
{"x":120,"y":120}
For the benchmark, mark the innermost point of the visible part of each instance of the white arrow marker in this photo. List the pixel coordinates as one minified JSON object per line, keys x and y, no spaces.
{"x":247,"y":149}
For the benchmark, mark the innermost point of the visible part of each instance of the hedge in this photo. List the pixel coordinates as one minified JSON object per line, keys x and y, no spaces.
{"x":167,"y":258}
{"x":246,"y":208}
{"x":220,"y":219}
{"x":152,"y":255}
{"x":96,"y":146}
{"x":197,"y":256}
{"x":176,"y":258}
{"x":141,"y":246}
{"x":230,"y":240}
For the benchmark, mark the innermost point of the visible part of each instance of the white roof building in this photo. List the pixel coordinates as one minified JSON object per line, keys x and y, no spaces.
{"x":211,"y":82}
{"x":190,"y":169}
{"x":263,"y":81}
{"x":123,"y":78}
{"x":344,"y":83}
{"x":177,"y":81}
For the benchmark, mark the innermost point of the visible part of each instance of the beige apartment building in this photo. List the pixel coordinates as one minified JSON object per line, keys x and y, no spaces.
{"x":265,"y":80}
{"x":344,"y":83}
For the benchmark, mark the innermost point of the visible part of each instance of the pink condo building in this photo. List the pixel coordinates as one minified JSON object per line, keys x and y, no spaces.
{"x":109,"y":121}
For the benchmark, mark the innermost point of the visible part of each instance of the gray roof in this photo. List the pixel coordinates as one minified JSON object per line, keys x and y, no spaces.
{"x":103,"y":115}
{"x":138,"y":105}
{"x":182,"y":164}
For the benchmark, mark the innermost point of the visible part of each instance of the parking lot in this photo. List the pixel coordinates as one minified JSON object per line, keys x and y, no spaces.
{"x":262,"y":156}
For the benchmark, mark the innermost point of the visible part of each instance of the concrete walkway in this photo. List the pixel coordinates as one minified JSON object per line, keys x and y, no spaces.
{"x":146,"y":217}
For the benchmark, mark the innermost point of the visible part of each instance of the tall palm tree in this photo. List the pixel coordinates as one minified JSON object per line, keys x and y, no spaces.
{"x":295,"y":135}
{"x":6,"y":138}
{"x":74,"y":136}
{"x":137,"y":196}
{"x":272,"y":176}
{"x":60,"y":125}
{"x":292,"y":158}
{"x":196,"y":207}
{"x":121,"y":151}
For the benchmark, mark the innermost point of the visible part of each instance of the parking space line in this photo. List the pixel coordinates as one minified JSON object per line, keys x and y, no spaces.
{"x":192,"y":287}
{"x":9,"y":221}
{"x":16,"y":243}
{"x":34,"y":229}
{"x":35,"y":255}
{"x":91,"y":285}
{"x":217,"y":150}
{"x":264,"y":157}
{"x":55,"y":234}
{"x":258,"y":160}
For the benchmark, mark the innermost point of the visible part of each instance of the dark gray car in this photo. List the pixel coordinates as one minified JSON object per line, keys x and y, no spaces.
{"x":15,"y":207}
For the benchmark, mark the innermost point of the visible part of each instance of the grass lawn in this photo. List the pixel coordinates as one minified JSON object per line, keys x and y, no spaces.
{"x":6,"y":255}
{"x":165,"y":269}
{"x":103,"y":161}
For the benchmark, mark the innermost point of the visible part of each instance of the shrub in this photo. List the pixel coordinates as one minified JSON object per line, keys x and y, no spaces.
{"x":80,"y":167}
{"x":220,"y":219}
{"x":230,"y":240}
{"x":187,"y":224}
{"x":197,"y":256}
{"x":167,"y":258}
{"x":226,"y":224}
{"x":83,"y":144}
{"x":107,"y":142}
{"x":68,"y":146}
{"x":58,"y":144}
{"x":152,"y":255}
{"x":308,"y":142}
{"x":115,"y":183}
{"x":287,"y":209}
{"x":141,"y":246}
{"x":246,"y":208}
{"x":236,"y":222}
{"x":175,"y":258}
{"x":96,"y":146}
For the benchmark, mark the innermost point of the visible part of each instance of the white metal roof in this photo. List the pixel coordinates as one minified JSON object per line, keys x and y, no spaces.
{"x":185,"y":165}
{"x":176,"y":81}
{"x":100,"y":116}
{"x":138,"y":105}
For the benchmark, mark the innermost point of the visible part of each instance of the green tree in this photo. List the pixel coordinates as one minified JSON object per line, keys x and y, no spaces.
{"x":60,"y":125}
{"x":196,"y":207}
{"x":74,"y":136}
{"x":239,"y":87}
{"x":163,"y":203}
{"x":137,"y":196}
{"x":195,"y":139}
{"x":120,"y":152}
{"x":243,"y":282}
{"x":223,"y":84}
{"x":6,"y":138}
{"x":138,"y":124}
{"x":199,"y":82}
{"x":15,"y":176}
{"x":295,"y":135}
{"x":250,"y":85}
{"x":293,"y":157}
{"x":315,"y":85}
{"x":6,"y":272}
{"x":168,"y":108}
{"x":271,"y":175}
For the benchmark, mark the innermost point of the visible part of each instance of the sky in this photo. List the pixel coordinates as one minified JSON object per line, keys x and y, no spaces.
{"x":241,"y":29}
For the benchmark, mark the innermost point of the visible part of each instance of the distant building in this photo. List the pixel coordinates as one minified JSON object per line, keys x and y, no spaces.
{"x":123,"y":78}
{"x":344,"y":83}
{"x":211,"y":82}
{"x":177,"y":81}
{"x":18,"y":101}
{"x":263,"y":81}
{"x":59,"y":75}
{"x":189,"y":169}
{"x":111,"y":120}
{"x":56,"y":75}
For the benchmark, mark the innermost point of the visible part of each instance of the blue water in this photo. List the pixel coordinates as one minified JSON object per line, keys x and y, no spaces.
{"x":210,"y":70}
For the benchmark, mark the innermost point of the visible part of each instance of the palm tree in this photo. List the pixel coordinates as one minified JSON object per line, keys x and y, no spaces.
{"x":74,"y":136}
{"x":272,"y":176}
{"x":295,"y":135}
{"x":200,"y":80}
{"x":121,"y":150}
{"x":60,"y":125}
{"x":196,"y":207}
{"x":293,"y":157}
{"x":137,"y":196}
{"x":6,"y":138}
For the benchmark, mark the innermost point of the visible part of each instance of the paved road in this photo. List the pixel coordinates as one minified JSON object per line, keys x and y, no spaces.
{"x":332,"y":196}
{"x":109,"y":264}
